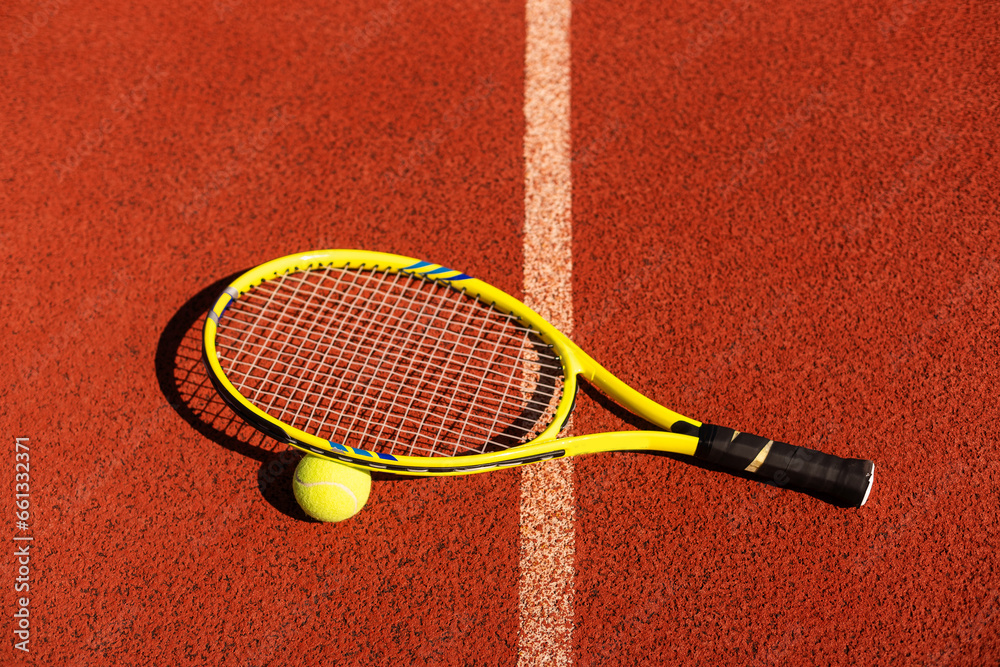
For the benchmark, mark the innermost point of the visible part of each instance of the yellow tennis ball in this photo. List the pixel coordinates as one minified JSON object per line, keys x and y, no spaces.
{"x":330,"y":491}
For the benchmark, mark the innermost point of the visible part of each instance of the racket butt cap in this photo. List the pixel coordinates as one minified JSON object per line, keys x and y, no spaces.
{"x":847,"y":481}
{"x":871,"y":480}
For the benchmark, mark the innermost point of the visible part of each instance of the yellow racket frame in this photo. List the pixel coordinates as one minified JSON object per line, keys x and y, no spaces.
{"x":545,"y":446}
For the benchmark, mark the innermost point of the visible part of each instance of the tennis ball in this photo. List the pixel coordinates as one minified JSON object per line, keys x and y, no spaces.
{"x":330,"y":491}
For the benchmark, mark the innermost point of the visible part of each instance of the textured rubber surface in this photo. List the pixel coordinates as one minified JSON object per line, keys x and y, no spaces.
{"x":785,"y":218}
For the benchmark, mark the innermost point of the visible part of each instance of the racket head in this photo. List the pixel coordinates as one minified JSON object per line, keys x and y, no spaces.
{"x":539,"y":442}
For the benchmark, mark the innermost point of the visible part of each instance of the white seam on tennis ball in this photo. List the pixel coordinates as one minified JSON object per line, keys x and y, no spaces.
{"x":346,"y":490}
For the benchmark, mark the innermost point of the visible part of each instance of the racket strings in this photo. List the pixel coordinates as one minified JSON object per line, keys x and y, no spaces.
{"x":504,"y":360}
{"x":452,"y":409}
{"x":299,"y":357}
{"x":290,"y":347}
{"x":390,"y":362}
{"x":388,"y":336}
{"x":464,"y":371}
{"x":264,"y":318}
{"x":399,"y":393}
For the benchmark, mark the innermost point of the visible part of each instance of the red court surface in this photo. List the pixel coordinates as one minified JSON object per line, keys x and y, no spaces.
{"x":784,"y":219}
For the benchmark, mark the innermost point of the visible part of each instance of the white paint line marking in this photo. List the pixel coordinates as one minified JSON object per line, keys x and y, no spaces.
{"x":548,"y":508}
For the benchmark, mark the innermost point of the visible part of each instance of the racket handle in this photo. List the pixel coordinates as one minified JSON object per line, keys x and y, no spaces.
{"x":846,"y":481}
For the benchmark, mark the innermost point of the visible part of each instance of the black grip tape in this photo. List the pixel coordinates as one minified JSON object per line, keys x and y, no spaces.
{"x":846,"y":481}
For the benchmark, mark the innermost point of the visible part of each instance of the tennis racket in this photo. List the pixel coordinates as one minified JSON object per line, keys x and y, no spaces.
{"x":395,"y":364}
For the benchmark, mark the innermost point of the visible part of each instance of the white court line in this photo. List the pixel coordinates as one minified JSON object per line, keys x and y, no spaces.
{"x":548,"y":511}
